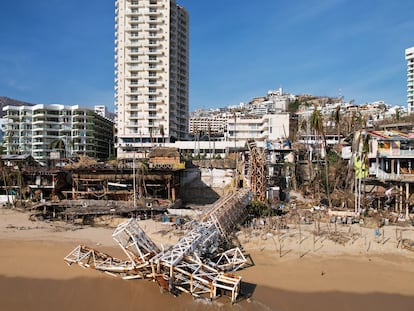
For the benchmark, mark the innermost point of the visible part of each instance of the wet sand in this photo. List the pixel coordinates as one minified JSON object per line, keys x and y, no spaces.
{"x":33,"y":276}
{"x":114,"y":294}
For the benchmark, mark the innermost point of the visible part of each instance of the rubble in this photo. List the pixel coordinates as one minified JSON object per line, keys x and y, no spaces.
{"x":199,"y":263}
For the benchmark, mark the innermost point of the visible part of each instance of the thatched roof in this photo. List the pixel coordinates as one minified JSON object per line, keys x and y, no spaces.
{"x":164,"y":152}
{"x":84,"y":161}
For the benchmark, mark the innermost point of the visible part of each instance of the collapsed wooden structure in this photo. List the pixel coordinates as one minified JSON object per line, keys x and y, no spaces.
{"x":200,"y":263}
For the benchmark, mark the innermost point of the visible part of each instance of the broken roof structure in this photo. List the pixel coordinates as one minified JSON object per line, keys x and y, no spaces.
{"x":196,"y":264}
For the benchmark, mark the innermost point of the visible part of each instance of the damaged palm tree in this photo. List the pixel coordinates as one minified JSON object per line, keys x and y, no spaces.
{"x":198,"y":263}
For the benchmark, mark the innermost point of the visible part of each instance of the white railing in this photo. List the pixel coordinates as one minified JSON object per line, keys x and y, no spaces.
{"x":396,"y":152}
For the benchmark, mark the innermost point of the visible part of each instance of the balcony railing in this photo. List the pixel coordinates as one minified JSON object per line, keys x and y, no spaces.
{"x":394,"y":176}
{"x":396,"y":152}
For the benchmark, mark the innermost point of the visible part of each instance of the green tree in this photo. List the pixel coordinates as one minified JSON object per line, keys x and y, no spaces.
{"x":293,"y":106}
{"x":59,"y":145}
{"x":162,"y":132}
{"x":337,"y":117}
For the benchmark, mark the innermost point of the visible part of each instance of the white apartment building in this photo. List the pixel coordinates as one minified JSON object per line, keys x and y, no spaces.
{"x":36,"y":130}
{"x":151,"y":74}
{"x":269,"y":127}
{"x":409,"y":57}
{"x":214,"y":124}
{"x":102,"y":111}
{"x":274,"y":102}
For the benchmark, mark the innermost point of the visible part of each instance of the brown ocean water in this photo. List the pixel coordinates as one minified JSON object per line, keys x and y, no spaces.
{"x":106,"y":293}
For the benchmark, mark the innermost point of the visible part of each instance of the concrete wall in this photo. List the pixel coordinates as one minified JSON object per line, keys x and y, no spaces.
{"x":217,"y":178}
{"x":205,"y":185}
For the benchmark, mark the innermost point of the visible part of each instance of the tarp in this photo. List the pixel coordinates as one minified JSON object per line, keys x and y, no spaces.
{"x":360,"y":167}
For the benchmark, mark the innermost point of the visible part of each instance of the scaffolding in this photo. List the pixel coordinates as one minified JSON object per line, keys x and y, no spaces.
{"x":257,"y":171}
{"x":198,"y":263}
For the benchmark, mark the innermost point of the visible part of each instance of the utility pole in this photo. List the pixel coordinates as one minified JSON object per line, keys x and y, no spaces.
{"x":235,"y":152}
{"x":133,"y":182}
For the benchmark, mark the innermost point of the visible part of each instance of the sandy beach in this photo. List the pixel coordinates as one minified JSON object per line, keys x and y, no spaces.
{"x":368,"y":272}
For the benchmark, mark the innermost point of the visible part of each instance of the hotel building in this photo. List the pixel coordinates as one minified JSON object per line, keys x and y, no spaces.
{"x":36,"y":130}
{"x":409,"y":56}
{"x":151,"y":74}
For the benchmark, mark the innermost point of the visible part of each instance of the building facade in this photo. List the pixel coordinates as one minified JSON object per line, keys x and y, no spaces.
{"x":409,"y":57}
{"x":46,"y":131}
{"x":214,"y":125}
{"x":269,"y":127}
{"x":151,"y":74}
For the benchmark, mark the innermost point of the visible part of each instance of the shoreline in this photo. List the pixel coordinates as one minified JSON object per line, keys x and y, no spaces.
{"x":334,"y":277}
{"x":106,"y":293}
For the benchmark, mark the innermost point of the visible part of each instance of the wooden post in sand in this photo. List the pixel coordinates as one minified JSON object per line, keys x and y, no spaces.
{"x":300,"y":237}
{"x":280,"y":245}
{"x":279,"y":238}
{"x":398,"y":236}
{"x":407,"y":199}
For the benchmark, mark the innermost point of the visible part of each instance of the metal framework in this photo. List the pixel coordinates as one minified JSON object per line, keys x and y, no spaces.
{"x":197,"y":264}
{"x":257,"y":171}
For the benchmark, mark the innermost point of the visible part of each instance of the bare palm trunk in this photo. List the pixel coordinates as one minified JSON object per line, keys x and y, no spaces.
{"x":328,"y":195}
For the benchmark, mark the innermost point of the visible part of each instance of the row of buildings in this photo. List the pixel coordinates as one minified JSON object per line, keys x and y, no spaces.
{"x":51,"y":132}
{"x":46,"y":131}
{"x":152,"y":99}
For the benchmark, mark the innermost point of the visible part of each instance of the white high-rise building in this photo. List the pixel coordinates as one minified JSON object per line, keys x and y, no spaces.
{"x":151,"y":74}
{"x":409,"y":56}
{"x":71,"y":131}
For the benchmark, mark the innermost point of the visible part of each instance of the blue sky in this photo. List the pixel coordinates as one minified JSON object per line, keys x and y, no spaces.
{"x":55,"y":51}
